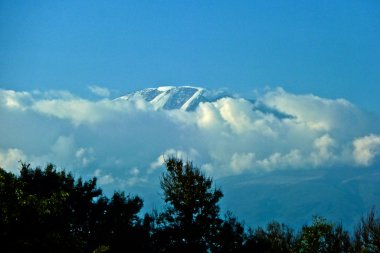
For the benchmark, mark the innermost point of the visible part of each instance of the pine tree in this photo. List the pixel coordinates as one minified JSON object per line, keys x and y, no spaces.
{"x":367,"y":234}
{"x":191,"y":220}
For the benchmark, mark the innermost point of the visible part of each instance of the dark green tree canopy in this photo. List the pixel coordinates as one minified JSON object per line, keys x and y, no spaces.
{"x":323,"y":237}
{"x":48,"y":210}
{"x":192,"y":211}
{"x":367,"y":234}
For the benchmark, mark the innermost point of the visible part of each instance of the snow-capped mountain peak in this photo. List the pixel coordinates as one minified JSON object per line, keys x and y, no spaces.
{"x":172,"y":97}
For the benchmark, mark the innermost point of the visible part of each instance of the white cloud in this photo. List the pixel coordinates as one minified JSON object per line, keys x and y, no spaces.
{"x":127,"y":139}
{"x":100,"y":91}
{"x":103,"y":179}
{"x":319,"y":114}
{"x":190,"y":155}
{"x":366,"y":149}
{"x":81,"y":111}
{"x":322,"y":153}
{"x":85,"y":156}
{"x":293,"y":159}
{"x":9,"y":159}
{"x":242,"y":161}
{"x":133,"y":178}
{"x":129,"y":179}
{"x":14,"y":100}
{"x":208,"y":117}
{"x":76,"y":110}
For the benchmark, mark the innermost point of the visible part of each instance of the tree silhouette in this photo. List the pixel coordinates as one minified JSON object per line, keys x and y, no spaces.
{"x":231,"y":235}
{"x":277,"y":238}
{"x":121,"y":228}
{"x":322,"y":237}
{"x":46,"y":210}
{"x":367,"y":234}
{"x":191,"y":220}
{"x":49,"y":211}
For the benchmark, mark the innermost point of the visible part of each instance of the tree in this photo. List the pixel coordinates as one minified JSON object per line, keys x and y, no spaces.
{"x":231,"y":235}
{"x":49,"y":211}
{"x":42,"y":210}
{"x":367,"y":234}
{"x":191,"y":220}
{"x":121,"y":228}
{"x":277,"y":238}
{"x":322,"y":237}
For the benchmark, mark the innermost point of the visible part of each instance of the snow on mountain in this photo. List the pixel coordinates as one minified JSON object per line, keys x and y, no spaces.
{"x":188,"y":98}
{"x":172,"y":97}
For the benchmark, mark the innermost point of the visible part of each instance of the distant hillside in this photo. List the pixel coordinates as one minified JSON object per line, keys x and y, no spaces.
{"x":293,"y":197}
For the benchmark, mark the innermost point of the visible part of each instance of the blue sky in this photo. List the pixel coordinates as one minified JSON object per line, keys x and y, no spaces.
{"x":328,"y":48}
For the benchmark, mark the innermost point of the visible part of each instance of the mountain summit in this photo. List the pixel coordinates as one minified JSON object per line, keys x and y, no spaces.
{"x":175,"y":97}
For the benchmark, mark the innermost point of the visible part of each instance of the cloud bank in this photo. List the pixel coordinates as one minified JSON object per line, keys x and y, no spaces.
{"x":123,"y":142}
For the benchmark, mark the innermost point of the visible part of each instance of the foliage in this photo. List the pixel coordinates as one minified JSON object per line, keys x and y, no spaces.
{"x":47,"y":210}
{"x":231,"y":236}
{"x":191,"y":219}
{"x":322,"y":236}
{"x":367,"y":234}
{"x":276,"y":238}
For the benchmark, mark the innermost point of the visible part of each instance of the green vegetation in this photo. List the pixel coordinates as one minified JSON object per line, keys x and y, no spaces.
{"x":51,"y":211}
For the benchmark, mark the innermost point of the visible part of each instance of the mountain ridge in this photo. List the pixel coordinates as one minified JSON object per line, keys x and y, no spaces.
{"x":175,"y":97}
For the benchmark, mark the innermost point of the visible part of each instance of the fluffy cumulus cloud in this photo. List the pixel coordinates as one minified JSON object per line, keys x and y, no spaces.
{"x":366,"y":149}
{"x":125,"y":142}
{"x":9,"y":158}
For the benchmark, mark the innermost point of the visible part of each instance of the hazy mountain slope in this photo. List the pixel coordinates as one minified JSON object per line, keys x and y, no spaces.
{"x":293,"y":197}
